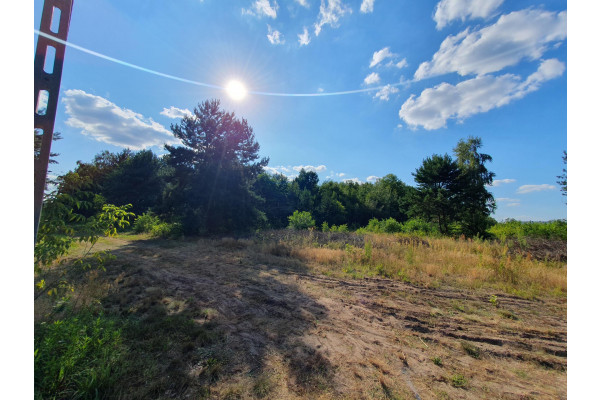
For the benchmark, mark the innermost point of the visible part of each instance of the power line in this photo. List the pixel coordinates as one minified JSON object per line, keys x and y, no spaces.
{"x":209,"y":85}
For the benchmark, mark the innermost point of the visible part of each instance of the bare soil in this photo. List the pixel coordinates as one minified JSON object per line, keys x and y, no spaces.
{"x":289,"y":333}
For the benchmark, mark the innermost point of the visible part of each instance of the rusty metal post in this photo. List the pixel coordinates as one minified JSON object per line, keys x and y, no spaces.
{"x":47,"y":86}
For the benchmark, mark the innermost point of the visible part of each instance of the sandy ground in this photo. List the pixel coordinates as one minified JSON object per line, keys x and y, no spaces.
{"x":290,"y":333}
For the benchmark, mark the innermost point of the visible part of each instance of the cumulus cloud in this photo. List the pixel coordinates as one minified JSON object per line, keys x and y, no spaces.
{"x":519,"y":35}
{"x":498,"y":182}
{"x":304,"y":37}
{"x":353,"y":180}
{"x":381,"y":55}
{"x":534,"y":188}
{"x":309,"y":168}
{"x":106,"y":122}
{"x":373,"y":178}
{"x":330,"y":14}
{"x":303,"y":3}
{"x":385,"y":92}
{"x":372,"y":78}
{"x":274,"y":36}
{"x":401,"y":64}
{"x":367,"y":6}
{"x":174,"y":112}
{"x":262,"y":7}
{"x":450,"y":10}
{"x":434,"y":106}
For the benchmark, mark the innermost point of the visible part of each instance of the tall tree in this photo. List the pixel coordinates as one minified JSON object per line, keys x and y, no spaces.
{"x":136,"y":181}
{"x":210,"y":188}
{"x":306,"y":188}
{"x":562,"y":179}
{"x":37,"y":148}
{"x":475,"y":202}
{"x":436,"y":195}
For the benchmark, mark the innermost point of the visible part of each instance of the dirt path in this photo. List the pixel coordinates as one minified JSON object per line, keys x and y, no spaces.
{"x":305,"y":336}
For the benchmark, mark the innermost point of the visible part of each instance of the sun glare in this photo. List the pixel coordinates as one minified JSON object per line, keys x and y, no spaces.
{"x":236,"y":90}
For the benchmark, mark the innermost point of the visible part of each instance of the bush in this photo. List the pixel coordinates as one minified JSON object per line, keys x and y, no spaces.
{"x":512,"y":229}
{"x":339,"y":228}
{"x":145,"y":222}
{"x":419,"y":226}
{"x":167,"y":230}
{"x":301,"y":220}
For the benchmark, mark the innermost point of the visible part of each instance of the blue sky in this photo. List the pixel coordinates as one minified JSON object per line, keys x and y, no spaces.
{"x":435,"y":71}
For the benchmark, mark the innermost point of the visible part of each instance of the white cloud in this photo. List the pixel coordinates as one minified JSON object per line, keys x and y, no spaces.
{"x":262,"y":7}
{"x":385,"y":92}
{"x":381,"y":55}
{"x":449,"y":10}
{"x":354,"y":180}
{"x":507,"y":199}
{"x":434,"y":106}
{"x":373,"y":178}
{"x":498,"y":182}
{"x":174,"y":112}
{"x":106,"y":122}
{"x":303,"y":3}
{"x":534,"y":188}
{"x":274,"y":36}
{"x":367,"y":6}
{"x":372,"y":78}
{"x":330,"y":14}
{"x":402,"y":63}
{"x":519,"y":35}
{"x":309,"y":168}
{"x":304,"y":37}
{"x":335,"y":175}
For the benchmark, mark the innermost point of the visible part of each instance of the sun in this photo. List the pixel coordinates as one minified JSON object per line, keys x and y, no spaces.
{"x":236,"y":90}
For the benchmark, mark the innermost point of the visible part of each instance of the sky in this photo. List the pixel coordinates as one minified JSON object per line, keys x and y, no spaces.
{"x":352,"y":90}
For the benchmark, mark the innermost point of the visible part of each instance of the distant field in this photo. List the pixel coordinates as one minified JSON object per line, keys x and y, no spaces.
{"x":286,"y":315}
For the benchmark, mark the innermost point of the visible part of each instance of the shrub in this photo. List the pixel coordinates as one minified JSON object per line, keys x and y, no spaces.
{"x":419,"y":226}
{"x":301,"y":220}
{"x":145,"y":222}
{"x":390,"y":225}
{"x":167,"y":230}
{"x":325,"y":227}
{"x":339,"y":228}
{"x":512,"y":229}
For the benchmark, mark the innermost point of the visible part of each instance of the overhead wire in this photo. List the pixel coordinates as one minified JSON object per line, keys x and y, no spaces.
{"x":209,"y":85}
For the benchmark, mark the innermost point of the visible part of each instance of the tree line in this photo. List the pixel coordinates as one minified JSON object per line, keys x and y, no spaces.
{"x":214,"y":182}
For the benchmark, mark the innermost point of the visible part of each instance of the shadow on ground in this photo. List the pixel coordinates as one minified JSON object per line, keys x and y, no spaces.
{"x":207,"y":309}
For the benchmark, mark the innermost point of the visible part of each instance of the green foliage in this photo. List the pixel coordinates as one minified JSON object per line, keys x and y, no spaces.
{"x":519,"y":230}
{"x":210,"y":181}
{"x":145,"y":222}
{"x":136,"y":180}
{"x":419,"y":226}
{"x":458,"y":381}
{"x":339,"y":228}
{"x":301,"y":220}
{"x":167,"y":230}
{"x":325,"y":227}
{"x":437,"y":361}
{"x":77,"y":357}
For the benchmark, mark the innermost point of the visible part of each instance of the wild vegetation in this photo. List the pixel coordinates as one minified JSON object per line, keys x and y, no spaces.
{"x":142,"y":291}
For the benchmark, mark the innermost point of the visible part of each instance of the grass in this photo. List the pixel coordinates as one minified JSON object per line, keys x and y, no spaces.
{"x":432,"y":262}
{"x":88,"y":353}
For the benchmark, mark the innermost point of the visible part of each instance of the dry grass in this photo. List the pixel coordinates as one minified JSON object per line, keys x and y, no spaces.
{"x":434,"y":262}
